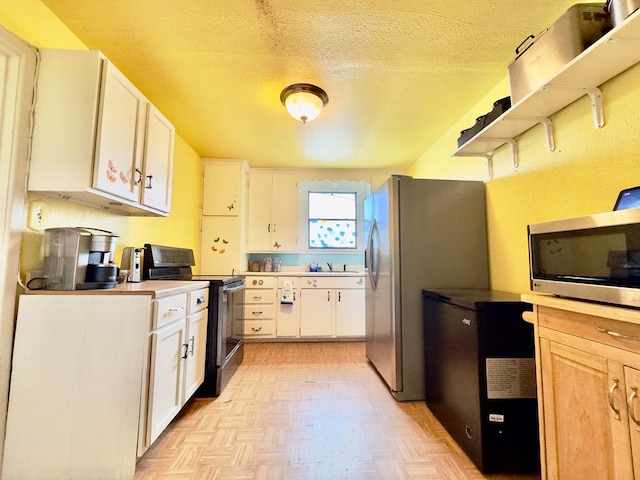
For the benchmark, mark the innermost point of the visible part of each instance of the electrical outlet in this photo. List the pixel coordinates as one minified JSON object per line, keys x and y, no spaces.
{"x":37,"y":214}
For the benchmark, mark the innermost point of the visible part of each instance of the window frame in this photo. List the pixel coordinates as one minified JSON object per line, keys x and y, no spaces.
{"x":361,"y":190}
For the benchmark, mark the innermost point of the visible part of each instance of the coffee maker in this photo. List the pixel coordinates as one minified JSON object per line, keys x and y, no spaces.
{"x":79,"y":258}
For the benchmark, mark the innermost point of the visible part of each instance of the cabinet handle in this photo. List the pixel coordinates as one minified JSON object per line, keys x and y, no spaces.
{"x":466,"y":321}
{"x":339,"y":296}
{"x":192,"y":343}
{"x":137,"y":176}
{"x":257,"y":298}
{"x":632,"y":396}
{"x":255,"y":314}
{"x":200,"y":300}
{"x":613,"y":333}
{"x":254,"y":329}
{"x":328,"y":295}
{"x":186,"y":349}
{"x":176,"y":309}
{"x":274,"y":228}
{"x":612,"y":390}
{"x":268,"y":228}
{"x":148,"y":184}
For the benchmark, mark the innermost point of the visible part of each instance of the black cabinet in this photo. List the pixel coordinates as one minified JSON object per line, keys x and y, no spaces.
{"x":480,"y":376}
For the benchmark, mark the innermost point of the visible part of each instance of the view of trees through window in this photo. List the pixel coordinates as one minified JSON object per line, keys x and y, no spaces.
{"x":332,"y":220}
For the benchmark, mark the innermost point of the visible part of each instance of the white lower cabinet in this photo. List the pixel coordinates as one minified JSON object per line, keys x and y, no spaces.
{"x":177,"y":347}
{"x":288,"y":307}
{"x":76,"y":386}
{"x":332,"y":306}
{"x":256,"y":316}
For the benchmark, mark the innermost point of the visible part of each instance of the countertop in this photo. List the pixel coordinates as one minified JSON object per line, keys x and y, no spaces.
{"x":324,"y":273}
{"x":154,"y":288}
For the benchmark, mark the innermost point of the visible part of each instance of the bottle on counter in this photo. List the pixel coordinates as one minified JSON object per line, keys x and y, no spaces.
{"x":267,"y":264}
{"x":277,"y":264}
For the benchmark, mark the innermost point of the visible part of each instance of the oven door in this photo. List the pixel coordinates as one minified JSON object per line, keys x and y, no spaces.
{"x":230,"y":328}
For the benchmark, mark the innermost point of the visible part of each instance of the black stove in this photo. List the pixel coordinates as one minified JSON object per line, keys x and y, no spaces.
{"x":225,"y":346}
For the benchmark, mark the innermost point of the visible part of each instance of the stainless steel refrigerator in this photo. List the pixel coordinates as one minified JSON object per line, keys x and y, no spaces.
{"x":421,"y":234}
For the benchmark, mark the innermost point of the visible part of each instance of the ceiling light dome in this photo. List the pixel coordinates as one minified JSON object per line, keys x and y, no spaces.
{"x":304,"y":101}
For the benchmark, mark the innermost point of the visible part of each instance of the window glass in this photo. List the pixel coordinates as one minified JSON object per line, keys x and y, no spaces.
{"x":332,"y":220}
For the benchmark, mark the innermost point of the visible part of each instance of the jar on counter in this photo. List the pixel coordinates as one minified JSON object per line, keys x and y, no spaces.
{"x":267,"y":264}
{"x":277,"y":264}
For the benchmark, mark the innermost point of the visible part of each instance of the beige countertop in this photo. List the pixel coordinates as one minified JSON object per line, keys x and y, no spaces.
{"x":324,"y":273}
{"x":154,"y":288}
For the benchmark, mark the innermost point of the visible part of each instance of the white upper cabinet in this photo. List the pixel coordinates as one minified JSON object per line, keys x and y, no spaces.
{"x":223,"y":184}
{"x":97,"y":140}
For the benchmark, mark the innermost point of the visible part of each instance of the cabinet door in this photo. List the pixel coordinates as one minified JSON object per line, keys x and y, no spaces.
{"x":585,"y":415}
{"x":166,"y":377}
{"x":221,"y":189}
{"x":197,"y":343}
{"x":316,"y":312}
{"x":284,"y":213}
{"x":632,"y":380}
{"x":259,"y":234}
{"x":350,"y":313}
{"x":288,"y":316}
{"x":158,"y":161}
{"x":220,"y":245}
{"x":119,"y":138}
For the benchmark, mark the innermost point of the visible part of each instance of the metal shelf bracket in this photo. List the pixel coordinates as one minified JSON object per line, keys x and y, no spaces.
{"x":548,"y":129}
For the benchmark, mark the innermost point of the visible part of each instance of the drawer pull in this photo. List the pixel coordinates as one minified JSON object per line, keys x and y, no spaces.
{"x":255,"y":314}
{"x":612,"y":391}
{"x":613,"y":333}
{"x":192,"y":344}
{"x":254,"y":329}
{"x":200,"y":300}
{"x":632,"y":396}
{"x":186,"y":350}
{"x":256,"y":298}
{"x":466,"y":321}
{"x":176,"y":309}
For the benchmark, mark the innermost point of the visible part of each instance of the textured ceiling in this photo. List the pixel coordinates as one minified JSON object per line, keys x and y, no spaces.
{"x":399,"y":73}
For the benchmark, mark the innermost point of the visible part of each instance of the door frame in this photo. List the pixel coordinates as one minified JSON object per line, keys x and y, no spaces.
{"x":18,"y":70}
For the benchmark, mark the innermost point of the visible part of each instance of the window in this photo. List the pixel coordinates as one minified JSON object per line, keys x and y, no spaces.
{"x":332,"y":220}
{"x":331,"y":215}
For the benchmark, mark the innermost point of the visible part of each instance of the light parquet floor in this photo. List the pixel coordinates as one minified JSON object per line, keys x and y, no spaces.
{"x":307,"y":411}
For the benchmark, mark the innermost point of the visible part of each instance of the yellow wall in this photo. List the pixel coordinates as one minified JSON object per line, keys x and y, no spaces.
{"x":34,"y":22}
{"x":583,"y":176}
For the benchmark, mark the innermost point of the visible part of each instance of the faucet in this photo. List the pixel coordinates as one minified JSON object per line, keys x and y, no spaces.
{"x":330,"y":265}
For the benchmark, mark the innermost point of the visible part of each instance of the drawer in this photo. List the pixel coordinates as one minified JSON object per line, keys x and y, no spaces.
{"x":615,"y":333}
{"x":257,"y":328}
{"x":198,"y":300}
{"x":255,"y":312}
{"x":259,"y":296}
{"x":169,"y":309}
{"x":295,"y":281}
{"x":260,"y":282}
{"x":332,"y":282}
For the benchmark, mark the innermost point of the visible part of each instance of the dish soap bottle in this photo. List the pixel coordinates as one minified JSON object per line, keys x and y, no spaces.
{"x":314,"y":264}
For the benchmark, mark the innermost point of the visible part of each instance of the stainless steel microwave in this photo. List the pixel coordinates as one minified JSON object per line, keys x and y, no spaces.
{"x":593,"y":258}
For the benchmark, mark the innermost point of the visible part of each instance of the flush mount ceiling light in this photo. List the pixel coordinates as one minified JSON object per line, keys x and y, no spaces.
{"x":304,"y":101}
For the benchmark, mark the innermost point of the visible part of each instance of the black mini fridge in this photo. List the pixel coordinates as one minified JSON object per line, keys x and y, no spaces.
{"x":480,"y":376}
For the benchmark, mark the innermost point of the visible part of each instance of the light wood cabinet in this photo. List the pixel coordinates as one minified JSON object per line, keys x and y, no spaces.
{"x":588,"y":368}
{"x":273,"y":212}
{"x":97,"y":140}
{"x":223,"y":228}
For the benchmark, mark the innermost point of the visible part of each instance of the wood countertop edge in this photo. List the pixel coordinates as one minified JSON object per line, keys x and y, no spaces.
{"x":154,"y":288}
{"x":624,"y":314}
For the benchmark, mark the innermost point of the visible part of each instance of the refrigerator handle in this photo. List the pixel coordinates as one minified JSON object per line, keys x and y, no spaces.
{"x":373,"y":277}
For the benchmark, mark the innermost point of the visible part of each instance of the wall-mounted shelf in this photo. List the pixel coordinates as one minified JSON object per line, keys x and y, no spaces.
{"x":612,"y":54}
